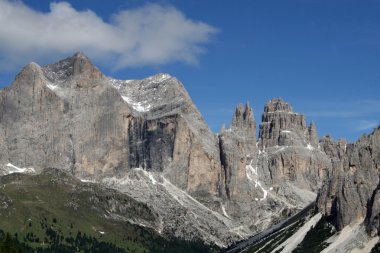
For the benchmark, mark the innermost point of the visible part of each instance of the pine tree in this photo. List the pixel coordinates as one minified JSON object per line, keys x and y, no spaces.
{"x":9,"y":245}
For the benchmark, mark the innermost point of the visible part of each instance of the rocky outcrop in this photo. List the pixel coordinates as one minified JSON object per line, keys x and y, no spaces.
{"x":282,"y":170}
{"x":167,"y":133}
{"x":291,"y":152}
{"x":372,"y":220}
{"x":280,"y":126}
{"x":237,"y":150}
{"x":67,"y":118}
{"x":313,"y":135}
{"x":350,"y":193}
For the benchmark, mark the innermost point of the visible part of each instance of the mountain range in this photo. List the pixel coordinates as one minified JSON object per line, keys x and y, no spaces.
{"x":132,"y":162}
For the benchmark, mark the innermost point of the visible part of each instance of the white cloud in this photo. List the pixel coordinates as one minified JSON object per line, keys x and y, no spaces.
{"x":366,"y":125}
{"x":148,"y":35}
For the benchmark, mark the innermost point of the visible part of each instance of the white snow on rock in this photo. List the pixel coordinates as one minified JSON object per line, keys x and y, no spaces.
{"x":252,"y":175}
{"x":291,"y":243}
{"x":135,"y":92}
{"x":309,"y":147}
{"x":224,"y":211}
{"x":264,"y":191}
{"x":161,"y":78}
{"x":250,"y":171}
{"x":137,"y":106}
{"x":118,"y":84}
{"x":14,"y":169}
{"x":87,"y":181}
{"x":51,"y":86}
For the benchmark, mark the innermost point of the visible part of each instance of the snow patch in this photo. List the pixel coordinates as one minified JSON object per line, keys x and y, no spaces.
{"x":224,"y":211}
{"x":309,"y":147}
{"x":262,"y":188}
{"x":140,"y":106}
{"x":137,"y":106}
{"x":118,"y":84}
{"x":252,"y":175}
{"x":250,"y":171}
{"x":161,"y":78}
{"x":291,"y":243}
{"x":14,"y":169}
{"x":87,"y":181}
{"x":51,"y":86}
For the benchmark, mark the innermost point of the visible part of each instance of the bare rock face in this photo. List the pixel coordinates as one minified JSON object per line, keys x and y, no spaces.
{"x":291,"y":151}
{"x":237,"y":149}
{"x":67,"y":118}
{"x":166,"y":133}
{"x":313,"y":135}
{"x":350,"y":194}
{"x":280,"y":126}
{"x":69,"y":115}
{"x":282,"y":170}
{"x":372,"y":220}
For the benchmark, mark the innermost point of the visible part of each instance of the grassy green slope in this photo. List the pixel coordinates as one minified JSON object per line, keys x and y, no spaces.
{"x":36,"y":206}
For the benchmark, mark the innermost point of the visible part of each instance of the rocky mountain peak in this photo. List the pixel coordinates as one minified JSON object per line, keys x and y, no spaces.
{"x":30,"y":79}
{"x":30,"y":70}
{"x":277,"y":105}
{"x":281,"y":126}
{"x":243,"y":118}
{"x":76,"y":66}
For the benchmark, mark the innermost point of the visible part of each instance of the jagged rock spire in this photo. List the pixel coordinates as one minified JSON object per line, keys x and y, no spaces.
{"x":313,"y":135}
{"x":238,"y":144}
{"x":244,"y":121}
{"x":277,"y":105}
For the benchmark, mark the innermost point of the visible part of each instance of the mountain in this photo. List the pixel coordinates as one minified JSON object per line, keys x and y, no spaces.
{"x":146,"y":141}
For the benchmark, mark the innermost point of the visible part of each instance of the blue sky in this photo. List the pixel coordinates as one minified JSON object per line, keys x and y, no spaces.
{"x":323,"y":57}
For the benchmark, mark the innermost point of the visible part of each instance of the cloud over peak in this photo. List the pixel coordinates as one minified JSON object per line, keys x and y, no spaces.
{"x":149,"y":35}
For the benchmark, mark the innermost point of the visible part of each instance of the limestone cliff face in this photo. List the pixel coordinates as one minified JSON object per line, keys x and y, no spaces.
{"x":280,"y":126}
{"x":291,"y":148}
{"x":237,"y":150}
{"x":167,"y":133}
{"x":280,"y":171}
{"x":69,"y":115}
{"x":67,"y":118}
{"x":351,"y":192}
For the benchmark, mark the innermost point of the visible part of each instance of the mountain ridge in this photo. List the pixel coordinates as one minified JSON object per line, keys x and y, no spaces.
{"x":146,"y":139}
